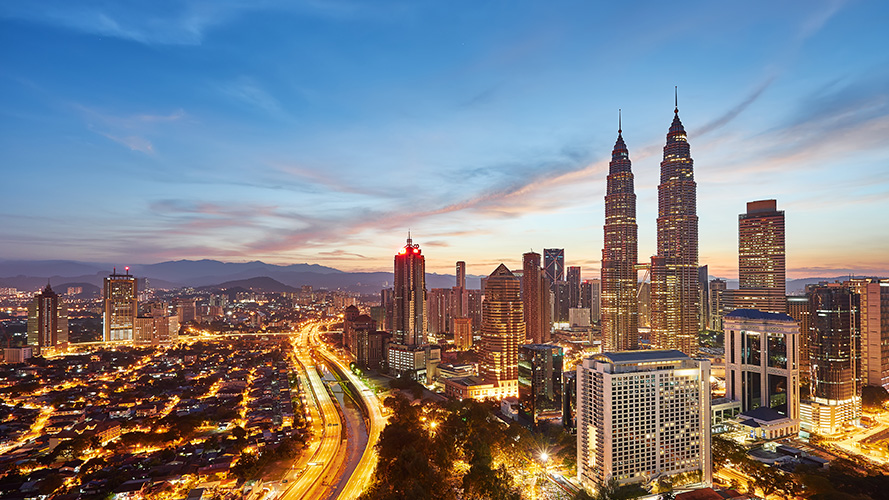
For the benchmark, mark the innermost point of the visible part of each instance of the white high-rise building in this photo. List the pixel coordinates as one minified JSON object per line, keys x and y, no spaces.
{"x":762,"y":370}
{"x":642,"y":415}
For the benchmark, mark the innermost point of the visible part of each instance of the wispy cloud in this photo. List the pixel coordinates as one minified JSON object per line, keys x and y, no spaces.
{"x":248,"y":91}
{"x":131,"y":131}
{"x":342,"y":254}
{"x":135,"y":143}
{"x":153,"y":23}
{"x":733,"y":113}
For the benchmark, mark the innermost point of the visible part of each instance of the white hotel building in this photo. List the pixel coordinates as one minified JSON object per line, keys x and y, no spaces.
{"x":642,"y":415}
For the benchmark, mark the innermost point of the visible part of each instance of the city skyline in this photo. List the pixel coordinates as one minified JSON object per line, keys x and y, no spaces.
{"x":219,"y":131}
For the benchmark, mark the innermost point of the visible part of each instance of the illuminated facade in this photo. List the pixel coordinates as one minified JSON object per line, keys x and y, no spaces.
{"x":554,"y":264}
{"x":619,"y":313}
{"x":409,"y":296}
{"x":641,"y":415}
{"x":674,"y":270}
{"x":503,"y":330}
{"x":120,"y":307}
{"x":463,"y":333}
{"x":873,"y":296}
{"x":535,"y":299}
{"x":591,"y":298}
{"x":47,"y":323}
{"x":572,"y":276}
{"x":762,"y":368}
{"x":761,"y":258}
{"x":540,"y":381}
{"x":835,"y":358}
{"x":798,"y":309}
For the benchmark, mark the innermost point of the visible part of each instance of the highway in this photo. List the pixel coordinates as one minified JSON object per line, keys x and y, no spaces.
{"x":314,"y":482}
{"x":361,"y":476}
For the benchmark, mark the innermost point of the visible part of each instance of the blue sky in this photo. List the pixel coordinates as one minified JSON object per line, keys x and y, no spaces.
{"x":322,"y":131}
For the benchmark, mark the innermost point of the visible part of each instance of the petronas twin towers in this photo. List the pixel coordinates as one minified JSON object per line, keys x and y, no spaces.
{"x":674,"y":270}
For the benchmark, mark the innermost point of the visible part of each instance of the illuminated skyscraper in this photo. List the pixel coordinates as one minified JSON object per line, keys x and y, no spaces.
{"x":643,"y":414}
{"x":761,"y":369}
{"x":535,"y":299}
{"x":620,"y":319}
{"x":674,"y":270}
{"x":761,"y":273}
{"x":554,"y":264}
{"x":573,"y":279}
{"x":409,"y":308}
{"x":120,"y":307}
{"x":873,"y":297}
{"x":47,"y":322}
{"x":462,"y":333}
{"x":835,"y":359}
{"x":503,"y":330}
{"x":798,"y":309}
{"x":591,"y":297}
{"x":459,"y":296}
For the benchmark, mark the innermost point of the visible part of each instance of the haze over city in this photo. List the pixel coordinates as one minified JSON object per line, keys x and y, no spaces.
{"x":138,"y":132}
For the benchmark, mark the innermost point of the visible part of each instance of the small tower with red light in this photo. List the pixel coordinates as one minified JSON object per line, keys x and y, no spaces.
{"x":409,"y":314}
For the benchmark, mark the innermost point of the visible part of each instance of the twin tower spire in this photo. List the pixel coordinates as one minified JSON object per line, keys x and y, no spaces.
{"x":673,"y":306}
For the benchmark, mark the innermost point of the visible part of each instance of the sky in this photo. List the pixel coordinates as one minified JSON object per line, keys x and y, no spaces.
{"x":323,"y":131}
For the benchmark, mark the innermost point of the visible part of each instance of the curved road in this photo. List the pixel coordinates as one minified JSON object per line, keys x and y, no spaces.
{"x":361,"y":476}
{"x":314,"y":482}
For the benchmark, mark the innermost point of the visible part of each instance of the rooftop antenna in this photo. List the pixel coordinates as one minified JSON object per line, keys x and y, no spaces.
{"x":619,"y":122}
{"x":676,"y":98}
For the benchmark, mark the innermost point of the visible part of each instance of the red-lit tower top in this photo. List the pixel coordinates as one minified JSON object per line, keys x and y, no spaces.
{"x":409,"y":313}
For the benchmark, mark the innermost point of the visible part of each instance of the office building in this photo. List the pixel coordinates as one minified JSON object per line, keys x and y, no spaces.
{"x":540,"y":382}
{"x":798,"y":309}
{"x":762,"y":370}
{"x":409,"y":296}
{"x":561,"y":301}
{"x":835,"y":360}
{"x":620,"y":316}
{"x":350,"y":314}
{"x":642,"y":415}
{"x":761,"y":258}
{"x":439,"y":304}
{"x":120,"y":307}
{"x":873,"y":296}
{"x":590,"y":298}
{"x":704,"y":298}
{"x":717,"y":310}
{"x":643,"y":303}
{"x":573,"y":279}
{"x":387,"y":302}
{"x":674,"y":270}
{"x":14,"y":355}
{"x":554,"y":264}
{"x":370,"y":348}
{"x":417,"y":362}
{"x":474,"y":300}
{"x":459,"y":295}
{"x":156,"y":330}
{"x":535,"y":299}
{"x":47,"y":323}
{"x":569,"y":401}
{"x":463,"y":333}
{"x":503,"y":331}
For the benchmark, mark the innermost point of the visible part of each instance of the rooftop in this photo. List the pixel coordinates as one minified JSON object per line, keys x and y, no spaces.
{"x":629,"y":357}
{"x":763,"y":414}
{"x":759,"y":315}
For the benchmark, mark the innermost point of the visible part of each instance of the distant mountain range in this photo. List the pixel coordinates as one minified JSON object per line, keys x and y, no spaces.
{"x":256,"y":275}
{"x":32,"y":275}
